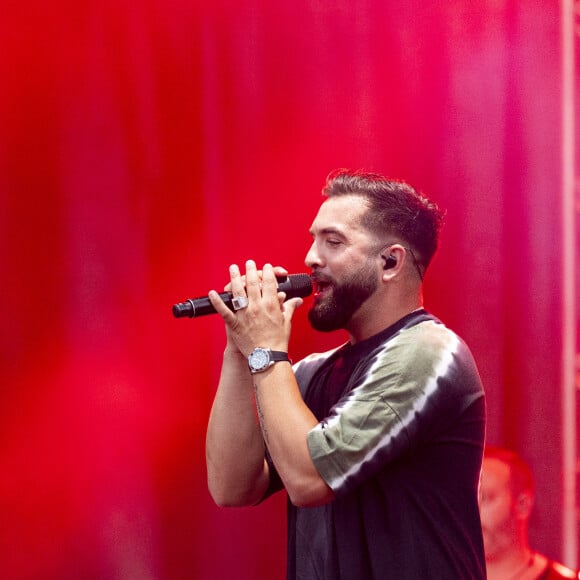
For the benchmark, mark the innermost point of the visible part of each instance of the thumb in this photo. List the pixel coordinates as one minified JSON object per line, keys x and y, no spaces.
{"x":290,"y":306}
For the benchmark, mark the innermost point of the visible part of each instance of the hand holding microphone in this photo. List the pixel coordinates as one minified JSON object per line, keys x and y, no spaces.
{"x":294,"y":285}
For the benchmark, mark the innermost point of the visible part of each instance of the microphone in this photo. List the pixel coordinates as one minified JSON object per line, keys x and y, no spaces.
{"x":295,"y":286}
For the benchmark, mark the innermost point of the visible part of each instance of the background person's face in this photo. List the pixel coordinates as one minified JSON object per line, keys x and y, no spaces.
{"x":497,"y":508}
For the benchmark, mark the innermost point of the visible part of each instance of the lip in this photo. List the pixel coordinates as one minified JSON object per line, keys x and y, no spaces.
{"x":322,"y":286}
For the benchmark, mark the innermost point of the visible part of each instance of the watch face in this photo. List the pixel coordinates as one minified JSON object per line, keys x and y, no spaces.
{"x":259,"y":359}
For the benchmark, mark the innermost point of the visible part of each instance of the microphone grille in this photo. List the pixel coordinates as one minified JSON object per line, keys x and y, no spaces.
{"x":300,"y":284}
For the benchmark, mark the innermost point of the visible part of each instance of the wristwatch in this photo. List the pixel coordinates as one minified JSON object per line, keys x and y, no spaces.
{"x":261,"y":359}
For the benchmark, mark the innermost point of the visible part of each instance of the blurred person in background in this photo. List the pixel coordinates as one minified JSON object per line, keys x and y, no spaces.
{"x":506,"y":502}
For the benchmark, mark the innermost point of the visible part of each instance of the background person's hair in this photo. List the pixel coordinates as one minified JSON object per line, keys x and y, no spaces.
{"x":521,"y":477}
{"x":395,"y":209}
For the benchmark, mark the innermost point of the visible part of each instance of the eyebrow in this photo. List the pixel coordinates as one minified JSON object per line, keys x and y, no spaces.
{"x":327,"y":231}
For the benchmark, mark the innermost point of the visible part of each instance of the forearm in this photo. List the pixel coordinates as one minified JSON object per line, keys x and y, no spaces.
{"x":285,"y":421}
{"x":236,"y":468}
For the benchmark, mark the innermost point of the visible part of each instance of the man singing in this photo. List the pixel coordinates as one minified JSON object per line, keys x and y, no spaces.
{"x":378,"y":443}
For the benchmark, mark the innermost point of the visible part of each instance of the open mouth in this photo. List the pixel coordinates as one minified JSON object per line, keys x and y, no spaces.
{"x":321,"y":288}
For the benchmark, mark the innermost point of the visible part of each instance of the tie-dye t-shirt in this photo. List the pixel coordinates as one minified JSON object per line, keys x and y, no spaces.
{"x":400,"y":442}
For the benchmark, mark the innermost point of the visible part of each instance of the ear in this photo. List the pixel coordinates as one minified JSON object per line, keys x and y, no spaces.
{"x":393,"y":259}
{"x":390,"y":261}
{"x":523,"y":505}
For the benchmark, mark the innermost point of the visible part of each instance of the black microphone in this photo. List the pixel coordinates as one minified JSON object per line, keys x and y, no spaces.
{"x":295,"y":286}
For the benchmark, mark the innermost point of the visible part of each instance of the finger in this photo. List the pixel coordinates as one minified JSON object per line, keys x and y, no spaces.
{"x":269,"y":281}
{"x":279,"y":271}
{"x":281,"y":298}
{"x":228,"y":286}
{"x":236,"y":287}
{"x":220,"y":306}
{"x":237,"y":283}
{"x":253,"y":285}
{"x":291,"y":305}
{"x":289,"y":308}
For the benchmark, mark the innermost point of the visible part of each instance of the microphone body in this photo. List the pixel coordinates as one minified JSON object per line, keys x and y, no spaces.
{"x":294,"y":285}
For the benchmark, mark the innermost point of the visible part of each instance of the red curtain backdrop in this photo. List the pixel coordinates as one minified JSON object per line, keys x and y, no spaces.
{"x":146,"y":146}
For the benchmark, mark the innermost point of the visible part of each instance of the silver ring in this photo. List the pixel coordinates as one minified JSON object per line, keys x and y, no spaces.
{"x":240,"y":302}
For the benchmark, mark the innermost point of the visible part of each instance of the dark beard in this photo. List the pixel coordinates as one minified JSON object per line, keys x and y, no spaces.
{"x":335,"y":311}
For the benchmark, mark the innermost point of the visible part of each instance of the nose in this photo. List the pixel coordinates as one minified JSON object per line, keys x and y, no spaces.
{"x":312,"y":257}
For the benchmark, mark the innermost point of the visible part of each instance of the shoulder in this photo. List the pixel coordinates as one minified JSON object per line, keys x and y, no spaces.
{"x":557,"y":571}
{"x":430,"y":344}
{"x":430,"y":332}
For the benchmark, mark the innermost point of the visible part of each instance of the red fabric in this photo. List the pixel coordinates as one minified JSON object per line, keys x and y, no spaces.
{"x":146,"y":146}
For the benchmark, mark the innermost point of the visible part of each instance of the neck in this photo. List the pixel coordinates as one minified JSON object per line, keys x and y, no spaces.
{"x":366,"y":324}
{"x":513,"y":565}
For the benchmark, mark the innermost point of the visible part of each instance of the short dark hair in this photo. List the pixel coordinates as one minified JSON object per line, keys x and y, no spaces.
{"x":521,"y":478}
{"x":395,"y":209}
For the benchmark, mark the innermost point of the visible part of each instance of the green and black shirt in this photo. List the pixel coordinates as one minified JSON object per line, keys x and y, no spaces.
{"x":400,"y":442}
